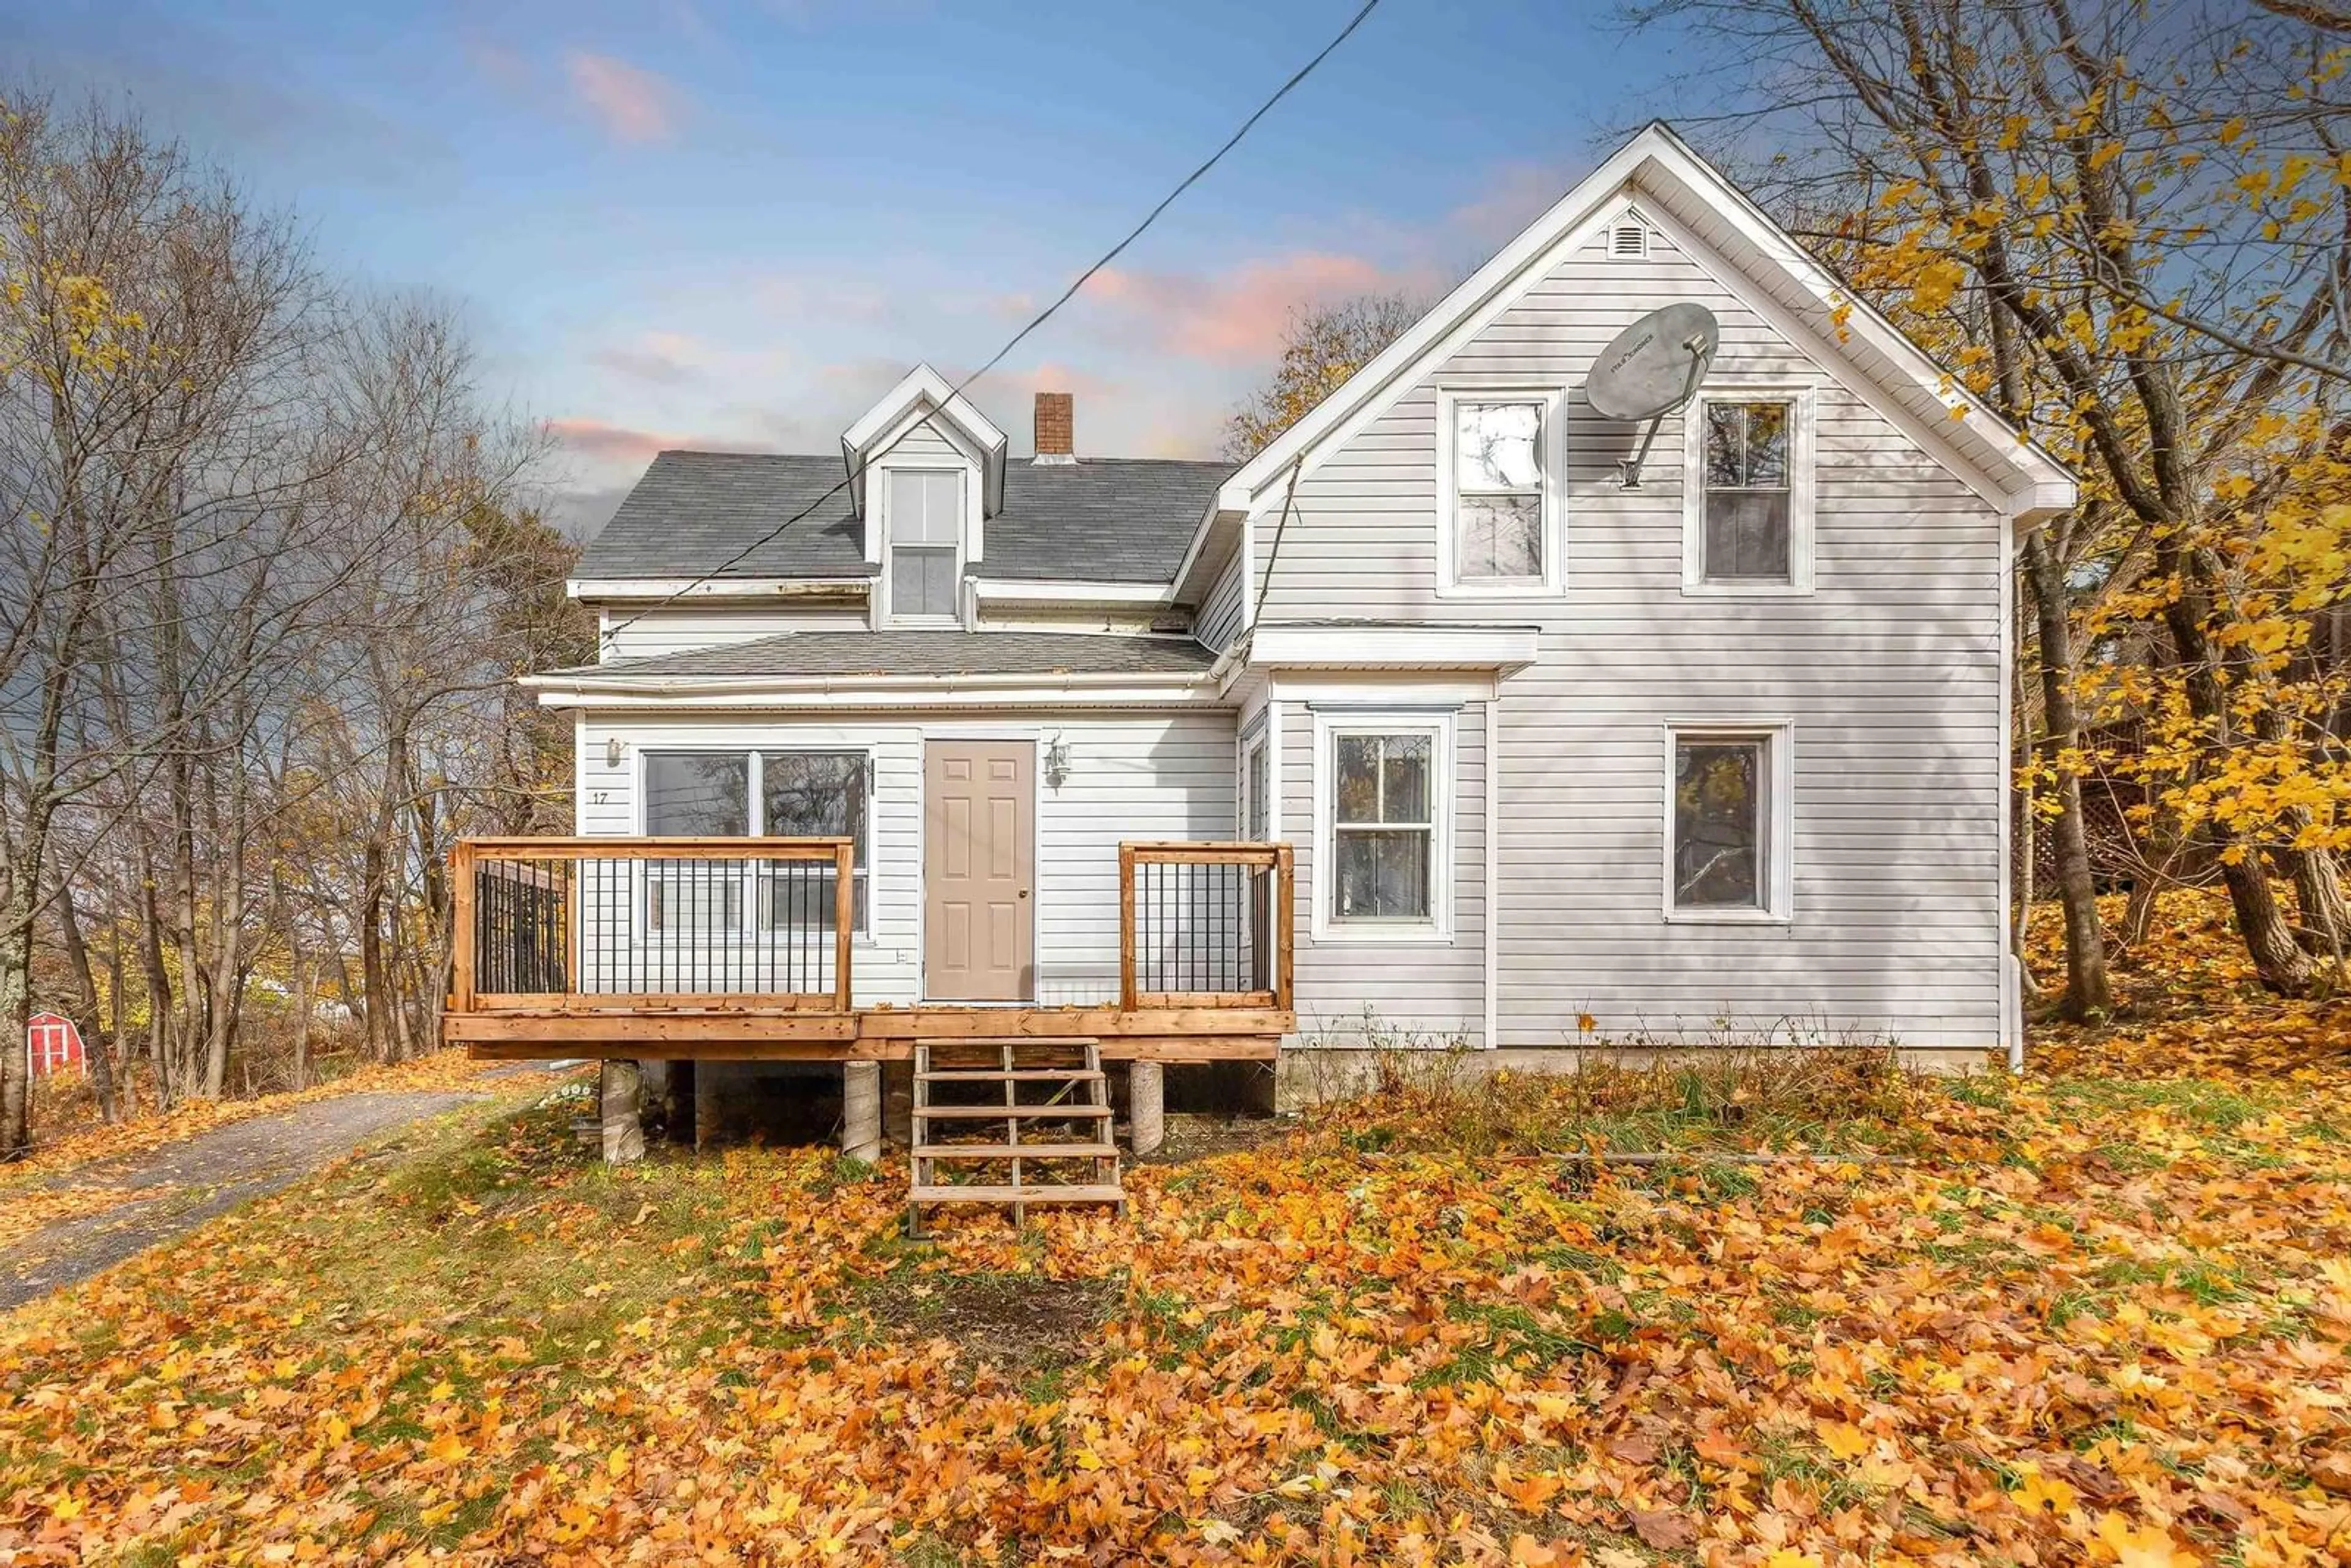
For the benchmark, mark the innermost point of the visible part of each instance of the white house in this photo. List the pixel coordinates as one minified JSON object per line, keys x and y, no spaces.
{"x":1553,"y":758}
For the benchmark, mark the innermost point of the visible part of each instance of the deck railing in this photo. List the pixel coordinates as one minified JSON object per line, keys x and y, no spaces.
{"x":607,"y":924}
{"x":1205,"y":924}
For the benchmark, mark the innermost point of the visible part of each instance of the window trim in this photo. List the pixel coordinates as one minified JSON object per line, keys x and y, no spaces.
{"x":1552,"y":400}
{"x":961,"y":547}
{"x":1329,"y":725}
{"x":1252,"y":797}
{"x":755,"y":810}
{"x":1777,"y":818}
{"x":1803,"y":476}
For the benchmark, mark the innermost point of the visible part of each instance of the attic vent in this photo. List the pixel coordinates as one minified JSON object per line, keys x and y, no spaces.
{"x":1629,"y":241}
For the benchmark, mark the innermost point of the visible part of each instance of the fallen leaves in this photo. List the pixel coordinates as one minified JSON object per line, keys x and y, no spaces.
{"x":2099,"y":1320}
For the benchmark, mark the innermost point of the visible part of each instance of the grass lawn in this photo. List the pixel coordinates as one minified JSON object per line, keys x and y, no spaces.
{"x":2098,"y":1317}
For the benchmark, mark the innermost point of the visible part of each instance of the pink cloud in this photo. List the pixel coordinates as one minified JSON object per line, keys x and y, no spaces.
{"x":1511,"y":196}
{"x":1238,"y":316}
{"x":633,"y":105}
{"x":609,"y":442}
{"x":602,"y":443}
{"x":679,"y":359}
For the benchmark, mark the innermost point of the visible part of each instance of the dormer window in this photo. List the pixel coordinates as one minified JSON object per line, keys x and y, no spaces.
{"x":923,"y":521}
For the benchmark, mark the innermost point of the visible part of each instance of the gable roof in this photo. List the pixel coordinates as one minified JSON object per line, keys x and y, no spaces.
{"x":909,"y":652}
{"x":1799,"y":296}
{"x":1107,"y":519}
{"x":921,"y":392}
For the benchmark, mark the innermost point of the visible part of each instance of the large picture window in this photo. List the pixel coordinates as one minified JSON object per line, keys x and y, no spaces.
{"x":1727,"y":824}
{"x":771,"y":794}
{"x":926,"y":533}
{"x":1382,"y":826}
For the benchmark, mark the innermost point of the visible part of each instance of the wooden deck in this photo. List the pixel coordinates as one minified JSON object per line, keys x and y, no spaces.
{"x":718,"y":949}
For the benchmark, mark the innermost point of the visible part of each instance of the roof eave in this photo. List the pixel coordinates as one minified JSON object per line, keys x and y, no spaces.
{"x":565,"y":691}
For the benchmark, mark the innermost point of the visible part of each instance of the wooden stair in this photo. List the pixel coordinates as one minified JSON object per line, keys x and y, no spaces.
{"x":1029,"y":1102}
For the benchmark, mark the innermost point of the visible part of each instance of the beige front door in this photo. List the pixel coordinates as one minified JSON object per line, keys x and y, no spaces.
{"x":979,"y":822}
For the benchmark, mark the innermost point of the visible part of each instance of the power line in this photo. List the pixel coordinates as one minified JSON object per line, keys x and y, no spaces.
{"x":1041,"y":317}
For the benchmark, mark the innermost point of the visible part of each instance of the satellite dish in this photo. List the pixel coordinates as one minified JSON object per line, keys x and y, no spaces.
{"x":1652,"y":368}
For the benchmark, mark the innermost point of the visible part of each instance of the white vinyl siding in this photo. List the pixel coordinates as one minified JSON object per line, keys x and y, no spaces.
{"x":681,"y":628}
{"x":1220,"y":617}
{"x":1145,"y":776}
{"x":1889,"y":673}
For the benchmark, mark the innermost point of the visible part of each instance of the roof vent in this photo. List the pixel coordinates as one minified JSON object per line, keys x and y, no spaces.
{"x":1057,"y":423}
{"x":1629,"y":241}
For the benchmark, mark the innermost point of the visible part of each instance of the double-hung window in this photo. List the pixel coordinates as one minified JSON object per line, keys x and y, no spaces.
{"x":1727,"y":824}
{"x":925,"y":535}
{"x":1748,"y":522}
{"x":772,"y":794}
{"x":1498,"y":507}
{"x":1382,"y":804}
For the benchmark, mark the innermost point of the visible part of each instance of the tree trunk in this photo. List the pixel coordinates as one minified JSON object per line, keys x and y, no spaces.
{"x":2318,"y":898}
{"x":95,"y":1045}
{"x":2278,"y":958}
{"x":2088,"y":990}
{"x":116,"y":1028}
{"x":2139,"y":915}
{"x":302,"y":1005}
{"x":15,"y":1014}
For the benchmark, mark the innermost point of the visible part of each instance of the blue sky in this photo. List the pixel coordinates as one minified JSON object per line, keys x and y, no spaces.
{"x":684,"y":223}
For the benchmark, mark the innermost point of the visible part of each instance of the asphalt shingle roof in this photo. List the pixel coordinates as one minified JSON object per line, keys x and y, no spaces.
{"x":940,"y":652}
{"x":1106,"y":519}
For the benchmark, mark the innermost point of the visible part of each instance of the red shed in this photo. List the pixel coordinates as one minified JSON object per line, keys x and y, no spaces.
{"x":52,"y":1045}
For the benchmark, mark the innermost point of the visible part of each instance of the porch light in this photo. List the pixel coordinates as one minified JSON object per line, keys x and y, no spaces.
{"x":1057,"y":762}
{"x":612,"y":752}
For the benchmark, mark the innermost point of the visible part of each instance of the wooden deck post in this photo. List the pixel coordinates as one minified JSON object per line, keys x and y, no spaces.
{"x":860,"y":1110}
{"x":623,"y":1083}
{"x":462,"y":942}
{"x":1126,"y":927}
{"x":1285,"y":923}
{"x":1146,"y":1106}
{"x":844,"y":920}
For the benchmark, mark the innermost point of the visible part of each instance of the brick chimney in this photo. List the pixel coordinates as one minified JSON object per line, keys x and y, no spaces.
{"x":1056,"y":429}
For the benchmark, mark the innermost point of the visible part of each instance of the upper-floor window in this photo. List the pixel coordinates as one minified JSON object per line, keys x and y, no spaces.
{"x":1750,"y":525}
{"x":1498,"y":512}
{"x":925,"y":543}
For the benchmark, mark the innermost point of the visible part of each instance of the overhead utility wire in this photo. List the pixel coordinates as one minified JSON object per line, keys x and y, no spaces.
{"x":1039,"y":320}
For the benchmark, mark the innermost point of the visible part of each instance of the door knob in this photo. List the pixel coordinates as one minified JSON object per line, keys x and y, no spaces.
{"x":1024,"y":892}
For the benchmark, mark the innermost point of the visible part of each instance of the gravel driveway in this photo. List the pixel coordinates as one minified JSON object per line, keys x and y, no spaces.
{"x":179,"y":1186}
